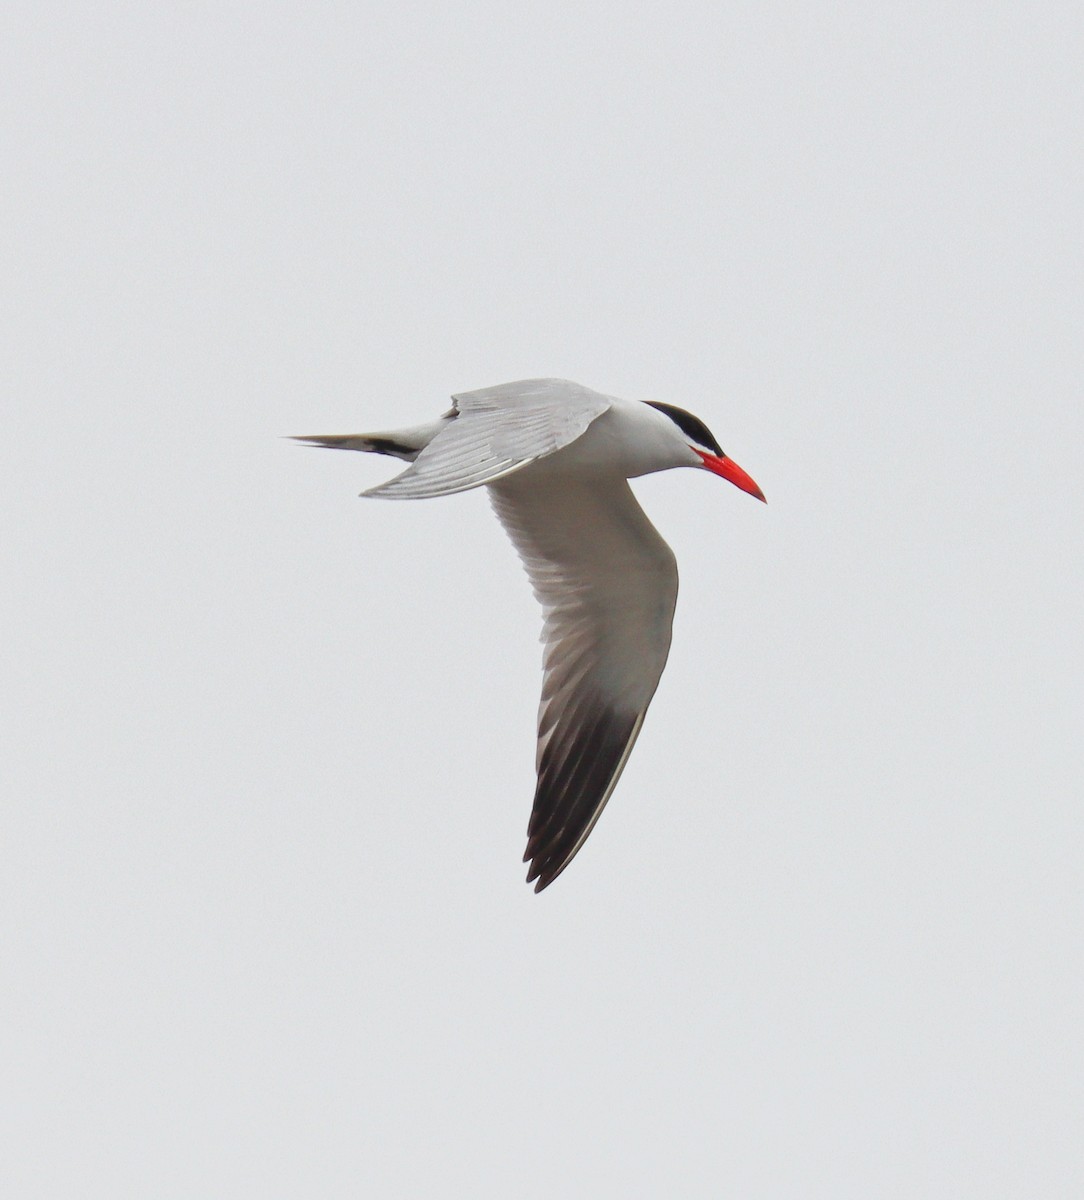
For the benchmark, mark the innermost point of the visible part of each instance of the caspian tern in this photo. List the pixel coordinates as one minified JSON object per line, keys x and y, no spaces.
{"x":556,"y":458}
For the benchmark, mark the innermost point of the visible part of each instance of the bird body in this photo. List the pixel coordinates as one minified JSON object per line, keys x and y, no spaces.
{"x":556,"y":458}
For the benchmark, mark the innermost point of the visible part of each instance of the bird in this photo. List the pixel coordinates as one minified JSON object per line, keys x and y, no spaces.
{"x":556,"y":458}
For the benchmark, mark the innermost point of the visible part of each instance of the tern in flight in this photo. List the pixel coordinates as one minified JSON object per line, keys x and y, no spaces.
{"x":556,"y":458}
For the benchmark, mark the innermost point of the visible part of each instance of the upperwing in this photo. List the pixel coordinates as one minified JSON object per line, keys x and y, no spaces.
{"x":496,"y":431}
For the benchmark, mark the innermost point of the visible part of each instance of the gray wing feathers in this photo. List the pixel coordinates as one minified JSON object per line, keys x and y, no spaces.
{"x":497,"y":431}
{"x":607,"y":583}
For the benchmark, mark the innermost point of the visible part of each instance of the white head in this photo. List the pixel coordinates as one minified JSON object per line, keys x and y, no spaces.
{"x":699,"y":438}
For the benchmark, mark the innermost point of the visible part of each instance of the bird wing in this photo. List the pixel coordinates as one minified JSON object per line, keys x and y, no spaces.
{"x":496,"y":431}
{"x":607,"y":583}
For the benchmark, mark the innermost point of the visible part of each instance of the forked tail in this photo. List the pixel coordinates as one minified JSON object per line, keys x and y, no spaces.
{"x":406,"y":444}
{"x":371,"y":443}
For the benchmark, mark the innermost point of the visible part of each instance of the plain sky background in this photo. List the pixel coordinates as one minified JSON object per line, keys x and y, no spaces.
{"x":268,"y":749}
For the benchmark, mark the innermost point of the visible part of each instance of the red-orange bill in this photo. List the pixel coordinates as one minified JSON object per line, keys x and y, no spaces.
{"x":729,"y":469}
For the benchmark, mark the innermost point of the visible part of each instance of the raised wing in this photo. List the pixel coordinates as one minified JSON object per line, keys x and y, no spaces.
{"x":494,"y":432}
{"x":607,"y":583}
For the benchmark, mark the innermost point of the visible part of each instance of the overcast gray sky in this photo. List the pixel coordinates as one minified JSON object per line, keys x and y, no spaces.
{"x":268,"y":748}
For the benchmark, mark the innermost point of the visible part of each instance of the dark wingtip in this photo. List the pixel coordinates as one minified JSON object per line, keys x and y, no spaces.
{"x":535,"y":872}
{"x":543,"y":878}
